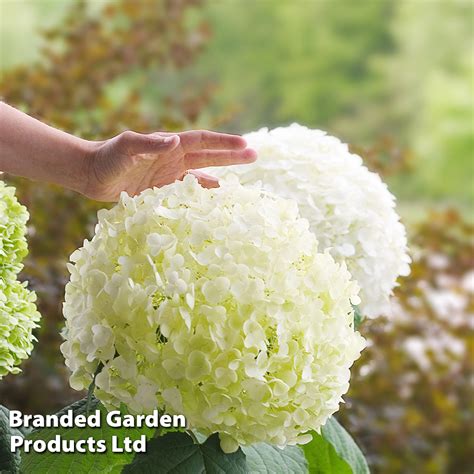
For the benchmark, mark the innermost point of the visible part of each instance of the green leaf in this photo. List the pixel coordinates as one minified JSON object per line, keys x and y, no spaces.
{"x":334,"y":452}
{"x":323,"y":459}
{"x":9,"y":462}
{"x":358,"y":317}
{"x":345,"y":446}
{"x":90,"y":390}
{"x":177,"y":453}
{"x":81,"y":463}
{"x":263,"y":458}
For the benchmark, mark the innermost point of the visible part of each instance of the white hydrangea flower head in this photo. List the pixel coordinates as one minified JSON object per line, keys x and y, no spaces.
{"x":215,"y":304}
{"x":18,"y":314}
{"x":350,"y":210}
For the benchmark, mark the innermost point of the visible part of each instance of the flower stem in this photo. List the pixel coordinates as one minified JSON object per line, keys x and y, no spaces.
{"x":193,"y":436}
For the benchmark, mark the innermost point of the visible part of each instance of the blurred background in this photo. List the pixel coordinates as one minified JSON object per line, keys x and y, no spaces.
{"x":394,"y":79}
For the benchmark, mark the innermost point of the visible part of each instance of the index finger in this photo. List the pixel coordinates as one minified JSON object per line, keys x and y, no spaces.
{"x":195,"y":140}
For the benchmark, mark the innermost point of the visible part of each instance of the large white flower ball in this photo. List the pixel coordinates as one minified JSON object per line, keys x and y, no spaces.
{"x":214,"y":304}
{"x":350,"y":209}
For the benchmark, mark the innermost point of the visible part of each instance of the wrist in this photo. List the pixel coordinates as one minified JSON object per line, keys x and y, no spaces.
{"x":86,"y":151}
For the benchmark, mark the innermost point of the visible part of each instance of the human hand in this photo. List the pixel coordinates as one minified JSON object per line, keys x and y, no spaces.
{"x":132,"y":161}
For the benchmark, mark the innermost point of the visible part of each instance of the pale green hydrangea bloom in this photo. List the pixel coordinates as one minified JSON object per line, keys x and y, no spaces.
{"x":18,"y":314}
{"x":214,"y":304}
{"x":18,"y":318}
{"x":13,"y":246}
{"x":349,"y":208}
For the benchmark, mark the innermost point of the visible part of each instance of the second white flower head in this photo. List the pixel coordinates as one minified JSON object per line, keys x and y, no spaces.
{"x":349,"y":208}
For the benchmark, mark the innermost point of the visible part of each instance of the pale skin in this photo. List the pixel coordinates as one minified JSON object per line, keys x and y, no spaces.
{"x":101,"y":170}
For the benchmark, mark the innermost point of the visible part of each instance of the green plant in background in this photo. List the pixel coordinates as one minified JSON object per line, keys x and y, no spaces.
{"x":447,"y":121}
{"x":18,"y":314}
{"x":431,"y":102}
{"x":292,"y":61}
{"x":365,"y":71}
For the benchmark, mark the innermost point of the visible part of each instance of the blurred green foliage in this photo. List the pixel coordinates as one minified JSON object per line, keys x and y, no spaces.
{"x":361,"y":70}
{"x":431,"y":103}
{"x":305,"y":61}
{"x":392,"y":78}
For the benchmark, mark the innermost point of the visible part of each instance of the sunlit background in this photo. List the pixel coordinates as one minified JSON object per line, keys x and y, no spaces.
{"x":394,"y":79}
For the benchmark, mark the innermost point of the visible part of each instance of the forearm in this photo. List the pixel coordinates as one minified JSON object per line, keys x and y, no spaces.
{"x":32,"y":149}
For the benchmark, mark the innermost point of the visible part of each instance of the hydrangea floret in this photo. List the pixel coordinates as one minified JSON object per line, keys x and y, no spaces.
{"x":18,"y":314}
{"x":350,"y":210}
{"x":215,"y":304}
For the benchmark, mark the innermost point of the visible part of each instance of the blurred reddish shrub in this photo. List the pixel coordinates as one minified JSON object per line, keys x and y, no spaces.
{"x":411,"y":401}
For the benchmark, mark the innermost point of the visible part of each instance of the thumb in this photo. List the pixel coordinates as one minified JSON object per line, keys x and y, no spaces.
{"x":139,"y":143}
